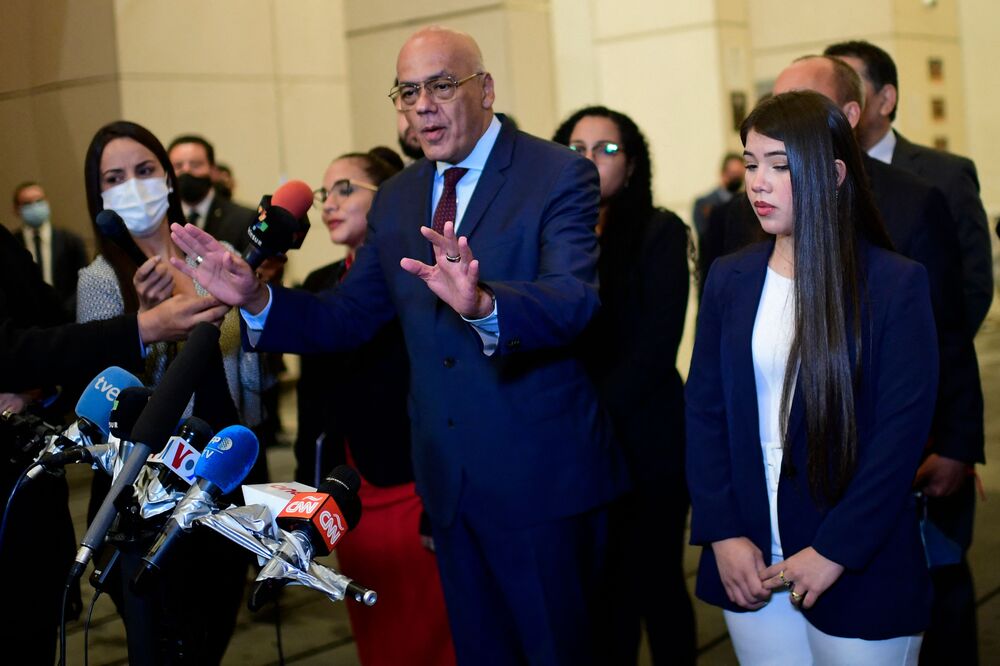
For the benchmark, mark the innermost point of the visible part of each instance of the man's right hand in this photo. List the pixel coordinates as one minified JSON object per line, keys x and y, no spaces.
{"x":740,"y":563}
{"x":222,"y":274}
{"x":174,"y":318}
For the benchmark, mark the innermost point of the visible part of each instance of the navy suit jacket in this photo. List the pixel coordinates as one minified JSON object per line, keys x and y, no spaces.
{"x":518,"y":435}
{"x":872,"y":530}
{"x":956,"y":177}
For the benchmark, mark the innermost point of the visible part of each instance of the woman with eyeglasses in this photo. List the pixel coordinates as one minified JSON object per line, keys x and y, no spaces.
{"x":127,"y":170}
{"x":352,"y":409}
{"x":809,"y":402}
{"x":631,"y":351}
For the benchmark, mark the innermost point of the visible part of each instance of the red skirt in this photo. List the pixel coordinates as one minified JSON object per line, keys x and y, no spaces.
{"x":408,"y":624}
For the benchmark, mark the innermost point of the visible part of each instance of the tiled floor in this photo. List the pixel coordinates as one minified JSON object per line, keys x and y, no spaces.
{"x":315,"y":631}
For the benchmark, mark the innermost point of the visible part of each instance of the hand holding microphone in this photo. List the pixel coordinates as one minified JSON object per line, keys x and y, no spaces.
{"x":281,"y":226}
{"x":153,"y":282}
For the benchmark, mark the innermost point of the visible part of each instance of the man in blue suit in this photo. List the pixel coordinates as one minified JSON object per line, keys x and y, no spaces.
{"x":512,"y":454}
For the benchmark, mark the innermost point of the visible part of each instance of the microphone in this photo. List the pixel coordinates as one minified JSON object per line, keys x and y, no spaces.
{"x":113,"y":228}
{"x":168,"y":474}
{"x":126,"y":411}
{"x":313,"y":523}
{"x":281,"y":223}
{"x":181,"y":454}
{"x":93,"y":411}
{"x":151,"y":431}
{"x":220,"y":470}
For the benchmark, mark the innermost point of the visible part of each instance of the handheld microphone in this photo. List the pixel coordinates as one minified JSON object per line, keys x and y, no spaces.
{"x":281,"y":223}
{"x":113,"y":228}
{"x":220,"y":470}
{"x":152,"y":429}
{"x":313,"y":522}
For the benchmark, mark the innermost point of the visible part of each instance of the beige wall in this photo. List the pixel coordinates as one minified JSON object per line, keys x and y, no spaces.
{"x":266,"y":81}
{"x":283,"y":86}
{"x":57,"y":84}
{"x":978,"y":21}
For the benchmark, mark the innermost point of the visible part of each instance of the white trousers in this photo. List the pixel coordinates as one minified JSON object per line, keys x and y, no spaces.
{"x":779,"y":635}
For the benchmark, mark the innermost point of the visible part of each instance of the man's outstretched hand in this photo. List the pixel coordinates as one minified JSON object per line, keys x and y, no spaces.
{"x":456,"y":280}
{"x":222,"y":273}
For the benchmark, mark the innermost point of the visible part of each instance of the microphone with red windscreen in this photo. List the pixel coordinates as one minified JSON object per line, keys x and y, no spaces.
{"x":281,"y":223}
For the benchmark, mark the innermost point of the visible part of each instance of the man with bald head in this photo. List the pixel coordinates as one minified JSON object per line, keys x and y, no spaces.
{"x":485,"y":250}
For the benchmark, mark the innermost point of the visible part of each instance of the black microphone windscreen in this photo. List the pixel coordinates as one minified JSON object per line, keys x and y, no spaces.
{"x":113,"y":227}
{"x":158,"y":421}
{"x":128,"y":406}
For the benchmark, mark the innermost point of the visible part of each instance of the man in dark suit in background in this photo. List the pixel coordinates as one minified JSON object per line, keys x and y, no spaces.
{"x":921,"y":228}
{"x":193,"y":158}
{"x":512,"y":454}
{"x":59,"y":254}
{"x":954,"y":175}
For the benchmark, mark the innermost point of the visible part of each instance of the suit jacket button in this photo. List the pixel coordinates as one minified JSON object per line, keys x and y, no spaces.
{"x":449,"y":362}
{"x":513,"y":343}
{"x":451,"y":424}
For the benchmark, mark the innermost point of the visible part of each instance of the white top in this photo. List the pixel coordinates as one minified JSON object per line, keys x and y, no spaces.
{"x":772,"y":339}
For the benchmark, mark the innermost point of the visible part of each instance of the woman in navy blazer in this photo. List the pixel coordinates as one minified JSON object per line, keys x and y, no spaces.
{"x":809,"y":399}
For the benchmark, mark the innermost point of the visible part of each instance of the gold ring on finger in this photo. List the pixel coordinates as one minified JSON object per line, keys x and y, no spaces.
{"x":787,"y":583}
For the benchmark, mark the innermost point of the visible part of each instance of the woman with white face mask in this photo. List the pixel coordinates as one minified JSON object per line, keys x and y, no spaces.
{"x":127,"y":170}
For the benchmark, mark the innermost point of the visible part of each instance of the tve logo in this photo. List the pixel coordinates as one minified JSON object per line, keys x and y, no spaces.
{"x":109,"y":390}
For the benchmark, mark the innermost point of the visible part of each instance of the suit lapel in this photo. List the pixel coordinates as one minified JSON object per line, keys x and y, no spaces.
{"x":904,"y":156}
{"x":420,"y":188}
{"x":490,"y":181}
{"x":748,"y":285}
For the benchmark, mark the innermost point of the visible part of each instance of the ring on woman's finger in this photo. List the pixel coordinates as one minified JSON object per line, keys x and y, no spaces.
{"x":454,"y":260}
{"x":796,"y":597}
{"x":787,"y":583}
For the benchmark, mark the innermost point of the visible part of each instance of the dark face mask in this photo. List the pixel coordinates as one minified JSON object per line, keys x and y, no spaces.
{"x":193,"y":188}
{"x":733,"y":186}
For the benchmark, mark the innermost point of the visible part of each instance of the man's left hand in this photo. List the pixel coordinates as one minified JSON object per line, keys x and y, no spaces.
{"x":454,"y":280}
{"x":938,"y":476}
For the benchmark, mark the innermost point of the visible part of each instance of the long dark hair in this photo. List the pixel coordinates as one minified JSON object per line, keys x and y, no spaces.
{"x":829,"y":220}
{"x":621,"y":237}
{"x":118,"y":258}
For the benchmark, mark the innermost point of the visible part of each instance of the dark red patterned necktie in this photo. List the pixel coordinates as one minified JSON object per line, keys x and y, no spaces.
{"x":448,"y":205}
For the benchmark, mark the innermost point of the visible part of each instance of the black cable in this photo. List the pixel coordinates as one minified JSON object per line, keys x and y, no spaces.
{"x":10,"y":500}
{"x":277,"y":629}
{"x":62,"y":624}
{"x":86,"y":628}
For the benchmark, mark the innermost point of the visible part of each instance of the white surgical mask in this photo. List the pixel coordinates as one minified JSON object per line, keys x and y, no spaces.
{"x":141,"y":202}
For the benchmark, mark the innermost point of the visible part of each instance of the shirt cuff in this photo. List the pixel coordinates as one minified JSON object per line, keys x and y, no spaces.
{"x":255,"y":322}
{"x":488,"y":329}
